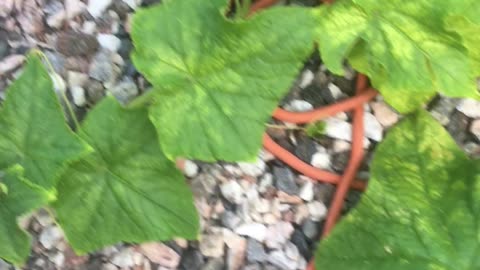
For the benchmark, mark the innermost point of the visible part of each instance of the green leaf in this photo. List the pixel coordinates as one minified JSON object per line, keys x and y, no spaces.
{"x":403,"y":46}
{"x":33,"y":132}
{"x":217,"y":81}
{"x":127,"y":190}
{"x":17,"y":198}
{"x":421,"y":210}
{"x":316,"y":129}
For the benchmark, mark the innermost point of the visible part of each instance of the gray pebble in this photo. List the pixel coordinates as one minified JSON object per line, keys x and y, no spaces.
{"x":255,"y":251}
{"x":285,"y":180}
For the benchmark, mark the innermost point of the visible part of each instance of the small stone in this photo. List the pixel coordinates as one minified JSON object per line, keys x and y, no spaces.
{"x":44,"y":218}
{"x":78,"y":96}
{"x":284,"y":197}
{"x":270,"y":219}
{"x":262,"y":206}
{"x":470,"y":108}
{"x":318,"y":210}
{"x":109,"y":42}
{"x":31,"y":20}
{"x":56,"y":20}
{"x":255,"y":251}
{"x":475,"y":128}
{"x":373,"y":129}
{"x":203,"y":185}
{"x":280,"y":259}
{"x":133,"y":4}
{"x":124,"y":91}
{"x":109,"y":266}
{"x":307,"y":78}
{"x":340,"y":129}
{"x":301,"y":213}
{"x":76,"y":79}
{"x":95,"y":91}
{"x":285,"y":180}
{"x":161,"y":254}
{"x":341,"y":146}
{"x":6,"y":6}
{"x":236,"y":252}
{"x":102,"y":68}
{"x":3,"y":264}
{"x":384,"y":114}
{"x":278,"y":234}
{"x":256,"y":231}
{"x":215,"y":264}
{"x":321,"y":160}
{"x":265,"y":182}
{"x":443,"y":108}
{"x":253,"y":169}
{"x":124,"y":258}
{"x":297,"y":105}
{"x":305,"y":148}
{"x":76,"y":44}
{"x":335,"y":91}
{"x":74,"y":8}
{"x":306,"y":191}
{"x":230,"y":220}
{"x":299,"y":240}
{"x":50,"y":236}
{"x":191,"y":259}
{"x":291,"y":251}
{"x":190,"y":168}
{"x":89,"y":27}
{"x":58,"y":259}
{"x":211,"y":245}
{"x":97,"y":7}
{"x":310,"y":229}
{"x":232,"y":191}
{"x":10,"y":63}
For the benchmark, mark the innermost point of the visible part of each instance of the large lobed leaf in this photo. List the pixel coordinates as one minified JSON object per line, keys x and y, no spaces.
{"x":217,"y":81}
{"x":17,"y":198}
{"x":421,"y":210}
{"x":405,"y":47}
{"x":33,"y":132}
{"x":126,"y":190}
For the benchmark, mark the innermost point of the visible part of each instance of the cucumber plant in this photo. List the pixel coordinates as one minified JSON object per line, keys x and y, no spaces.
{"x":216,"y":82}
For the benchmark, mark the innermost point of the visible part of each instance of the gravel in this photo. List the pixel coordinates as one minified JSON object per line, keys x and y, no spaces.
{"x":255,"y":215}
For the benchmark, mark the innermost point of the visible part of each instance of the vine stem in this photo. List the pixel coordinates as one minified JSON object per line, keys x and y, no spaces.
{"x":63,"y":94}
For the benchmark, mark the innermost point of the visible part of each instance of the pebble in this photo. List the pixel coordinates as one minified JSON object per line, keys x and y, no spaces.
{"x":215,"y":264}
{"x":236,"y":252}
{"x":211,"y":245}
{"x":97,"y":7}
{"x":373,"y":129}
{"x":278,"y":234}
{"x":336,"y":92}
{"x":50,"y":236}
{"x":4,"y":265}
{"x":10,"y":63}
{"x":232,"y":191}
{"x":6,"y":6}
{"x":341,"y":146}
{"x":44,"y":218}
{"x":78,"y":96}
{"x":321,"y":160}
{"x":191,"y":259}
{"x":124,"y":91}
{"x":285,"y":180}
{"x":56,"y":20}
{"x":102,"y":68}
{"x":291,"y":251}
{"x":89,"y":27}
{"x":256,"y":231}
{"x":306,"y":191}
{"x":310,"y":229}
{"x":190,"y":168}
{"x":470,"y":108}
{"x":230,"y":220}
{"x":76,"y":44}
{"x":74,"y":8}
{"x":284,"y":197}
{"x":266,"y":182}
{"x":298,"y":105}
{"x":253,"y":169}
{"x":109,"y":266}
{"x":341,"y":129}
{"x":133,"y":4}
{"x":124,"y":258}
{"x":58,"y":259}
{"x":255,"y":251}
{"x":475,"y":128}
{"x":318,"y":210}
{"x":109,"y":42}
{"x":76,"y":79}
{"x":299,"y":240}
{"x":307,"y":78}
{"x":280,"y":259}
{"x":161,"y":254}
{"x":384,"y":114}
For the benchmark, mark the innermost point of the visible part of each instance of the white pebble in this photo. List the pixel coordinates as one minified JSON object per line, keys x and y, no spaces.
{"x":475,"y":128}
{"x":339,"y":129}
{"x":74,"y":8}
{"x":470,"y":108}
{"x":335,"y":91}
{"x":306,"y":191}
{"x":109,"y":42}
{"x":232,"y":191}
{"x":10,"y":63}
{"x":256,"y":231}
{"x":190,"y":168}
{"x":297,"y":105}
{"x":97,"y":7}
{"x":253,"y":169}
{"x":318,"y":210}
{"x":78,"y":96}
{"x":50,"y":237}
{"x":307,"y":78}
{"x":321,"y":160}
{"x":89,"y":27}
{"x":373,"y":129}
